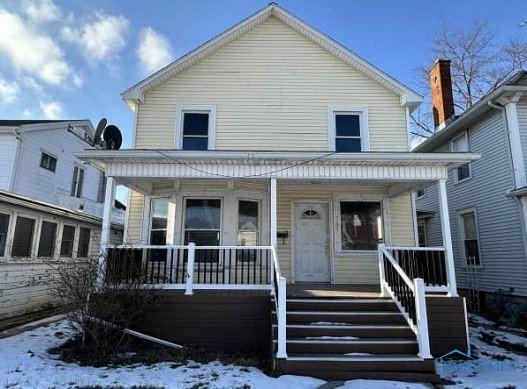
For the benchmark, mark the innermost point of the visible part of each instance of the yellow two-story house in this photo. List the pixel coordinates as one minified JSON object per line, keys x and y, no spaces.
{"x":270,"y":156}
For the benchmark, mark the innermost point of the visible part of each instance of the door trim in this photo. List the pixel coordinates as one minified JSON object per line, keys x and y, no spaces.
{"x":327,"y":202}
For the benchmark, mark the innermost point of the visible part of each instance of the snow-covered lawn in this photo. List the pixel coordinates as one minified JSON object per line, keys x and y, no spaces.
{"x":25,"y":363}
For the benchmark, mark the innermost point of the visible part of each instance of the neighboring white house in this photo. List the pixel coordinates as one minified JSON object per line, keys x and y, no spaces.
{"x":50,"y":207}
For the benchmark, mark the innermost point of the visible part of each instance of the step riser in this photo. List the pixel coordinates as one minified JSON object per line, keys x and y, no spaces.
{"x":342,"y":348}
{"x":351,"y":319}
{"x":341,"y":307}
{"x":380,"y":375}
{"x":293,"y":366}
{"x":357,"y":332}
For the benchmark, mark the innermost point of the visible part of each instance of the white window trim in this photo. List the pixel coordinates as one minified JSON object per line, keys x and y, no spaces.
{"x":9,"y":233}
{"x":150,"y":213}
{"x":350,"y":109}
{"x":196,"y":108}
{"x":383,"y":200}
{"x":461,"y":227}
{"x":456,"y":177}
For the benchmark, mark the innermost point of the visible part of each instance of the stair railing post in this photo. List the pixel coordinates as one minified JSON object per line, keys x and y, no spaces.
{"x":423,"y":338}
{"x":281,"y":318}
{"x":382,"y":276}
{"x":190,"y":268}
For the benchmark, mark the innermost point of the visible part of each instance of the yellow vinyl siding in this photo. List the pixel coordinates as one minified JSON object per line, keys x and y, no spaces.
{"x":135,"y":217}
{"x":271,"y":88}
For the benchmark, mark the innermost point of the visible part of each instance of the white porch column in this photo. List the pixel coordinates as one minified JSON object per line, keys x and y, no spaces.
{"x":447,"y":238}
{"x":273,"y":212}
{"x":109,"y":198}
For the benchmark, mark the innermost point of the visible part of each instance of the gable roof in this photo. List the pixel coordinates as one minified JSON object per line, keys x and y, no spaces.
{"x":516,"y":82}
{"x":135,"y":93}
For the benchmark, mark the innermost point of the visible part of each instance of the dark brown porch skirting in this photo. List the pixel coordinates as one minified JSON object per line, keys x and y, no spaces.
{"x":217,"y":320}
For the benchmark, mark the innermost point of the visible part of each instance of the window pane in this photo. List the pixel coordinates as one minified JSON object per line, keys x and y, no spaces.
{"x":46,"y":244}
{"x":421,"y":232}
{"x":347,"y":125}
{"x":472,"y":252}
{"x":361,"y":225}
{"x":248,"y":215}
{"x":159,"y":213}
{"x":460,"y":145}
{"x":202,"y":214}
{"x":48,"y":162}
{"x":347,"y":145}
{"x":84,"y":242}
{"x":80,"y":183}
{"x":469,"y":224}
{"x":158,"y":238}
{"x":4,"y":225}
{"x":247,"y":238}
{"x":23,"y":238}
{"x":202,"y":238}
{"x":196,"y":124}
{"x":66,"y":246}
{"x":190,"y":143}
{"x":463,"y":172}
{"x":74,"y":181}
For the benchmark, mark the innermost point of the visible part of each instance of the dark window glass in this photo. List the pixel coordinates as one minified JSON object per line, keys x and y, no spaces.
{"x":84,"y":242}
{"x":463,"y":172}
{"x":23,"y":238}
{"x":421,"y":193}
{"x":347,"y":125}
{"x":77,"y":182}
{"x":361,"y":225}
{"x":202,"y":226}
{"x":4,"y":225}
{"x":421,"y":234}
{"x":248,"y":224}
{"x":46,"y":244}
{"x":471,"y":238}
{"x":195,"y":143}
{"x":48,"y":162}
{"x":68,"y":237}
{"x":196,"y":124}
{"x":347,"y":145}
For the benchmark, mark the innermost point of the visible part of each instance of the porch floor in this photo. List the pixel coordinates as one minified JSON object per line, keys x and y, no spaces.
{"x":306,"y":290}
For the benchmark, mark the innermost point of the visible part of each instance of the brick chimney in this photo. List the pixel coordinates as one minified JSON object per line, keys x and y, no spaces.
{"x":441,"y":90}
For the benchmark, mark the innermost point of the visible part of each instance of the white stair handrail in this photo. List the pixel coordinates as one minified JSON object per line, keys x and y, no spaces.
{"x":280,"y":305}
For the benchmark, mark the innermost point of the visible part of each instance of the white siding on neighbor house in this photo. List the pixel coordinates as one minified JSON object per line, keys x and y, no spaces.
{"x":521,"y":108}
{"x":271,"y":88}
{"x":8,"y":148}
{"x":358,"y":268}
{"x":41,"y":184}
{"x":501,"y":238}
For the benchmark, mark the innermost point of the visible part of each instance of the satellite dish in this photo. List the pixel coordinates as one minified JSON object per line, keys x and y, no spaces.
{"x":99,"y":130}
{"x":112,"y":137}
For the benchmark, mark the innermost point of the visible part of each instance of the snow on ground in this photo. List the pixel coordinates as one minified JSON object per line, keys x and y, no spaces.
{"x":25,"y":363}
{"x":496,"y":367}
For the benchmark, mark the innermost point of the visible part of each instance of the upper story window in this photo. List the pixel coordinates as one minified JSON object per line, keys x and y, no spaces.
{"x":77,"y":182}
{"x":196,"y":127}
{"x":348,"y":129}
{"x":48,"y":162}
{"x":460,"y":145}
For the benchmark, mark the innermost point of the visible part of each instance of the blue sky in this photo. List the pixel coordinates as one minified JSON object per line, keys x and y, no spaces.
{"x":64,"y":59}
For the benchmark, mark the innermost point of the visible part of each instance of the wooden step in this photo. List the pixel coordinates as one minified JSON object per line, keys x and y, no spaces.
{"x":341,"y":305}
{"x":346,"y":345}
{"x":357,"y":330}
{"x":372,"y":317}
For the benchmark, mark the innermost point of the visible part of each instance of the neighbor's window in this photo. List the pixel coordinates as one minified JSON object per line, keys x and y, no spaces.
{"x":347,"y":132}
{"x":48,"y":162}
{"x":68,"y":238}
{"x":248,"y":223}
{"x":421,"y":233}
{"x":470,"y":238}
{"x":460,"y":145}
{"x":23,"y":239}
{"x":4,"y":226}
{"x":195,"y":130}
{"x":46,"y":244}
{"x":77,"y":182}
{"x":84,"y":242}
{"x":421,"y":193}
{"x":361,"y":225}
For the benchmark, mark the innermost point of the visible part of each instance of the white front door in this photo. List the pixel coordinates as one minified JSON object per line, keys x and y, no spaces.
{"x":311,"y":243}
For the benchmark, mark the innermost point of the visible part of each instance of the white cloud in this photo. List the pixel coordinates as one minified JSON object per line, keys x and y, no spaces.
{"x":51,"y":110}
{"x":9,"y":91}
{"x":78,"y":81}
{"x":42,"y":11}
{"x":154,"y":51}
{"x":101,"y":38}
{"x":32,"y":84}
{"x":31,"y":50}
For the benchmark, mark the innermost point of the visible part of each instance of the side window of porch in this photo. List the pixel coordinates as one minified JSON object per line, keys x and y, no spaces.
{"x":68,"y":240}
{"x":23,"y":239}
{"x":158,"y":221}
{"x":248,"y":223}
{"x":460,"y":145}
{"x":4,"y":226}
{"x":361,"y":225}
{"x":46,"y":244}
{"x":469,"y":237}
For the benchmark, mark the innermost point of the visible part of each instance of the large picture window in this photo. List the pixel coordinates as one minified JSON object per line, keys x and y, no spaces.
{"x":4,"y":226}
{"x":361,"y":225}
{"x":203,"y":221}
{"x":248,"y":223}
{"x":470,"y":238}
{"x":46,"y":244}
{"x":23,"y":239}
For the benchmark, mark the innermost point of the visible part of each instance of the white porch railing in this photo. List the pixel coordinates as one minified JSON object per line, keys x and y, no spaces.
{"x":190,"y":267}
{"x":408,"y":295}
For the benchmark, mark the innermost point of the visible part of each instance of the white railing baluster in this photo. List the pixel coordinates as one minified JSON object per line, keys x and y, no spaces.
{"x":423,"y":338}
{"x":190,"y":268}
